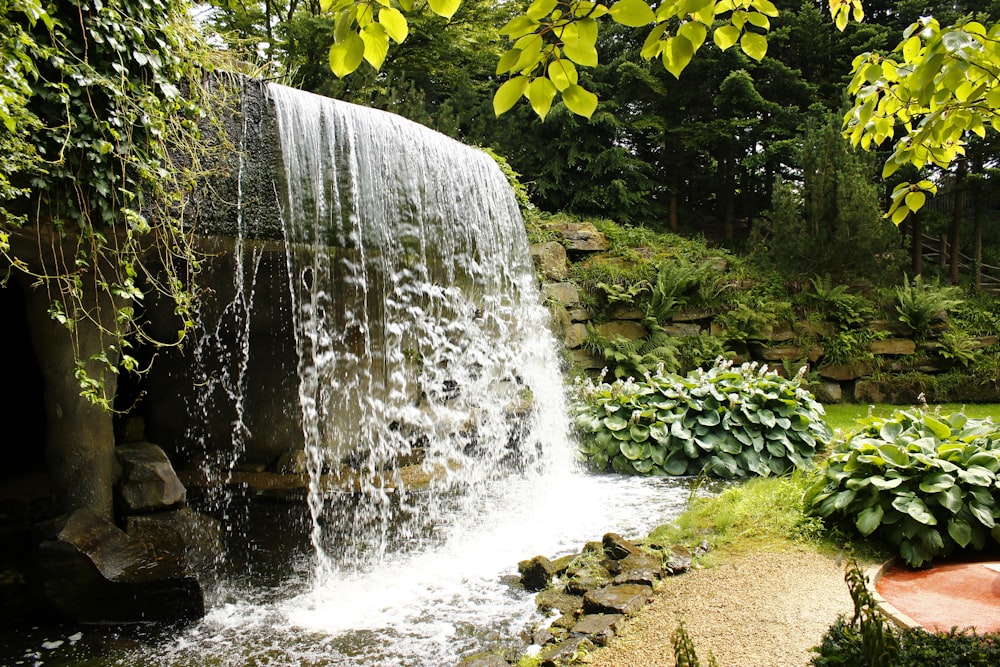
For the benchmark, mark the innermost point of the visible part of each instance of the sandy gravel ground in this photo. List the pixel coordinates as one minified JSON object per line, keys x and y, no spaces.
{"x":755,"y":610}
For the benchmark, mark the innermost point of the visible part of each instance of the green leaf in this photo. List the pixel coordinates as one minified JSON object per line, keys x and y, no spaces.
{"x":950,"y":498}
{"x":639,"y":432}
{"x":394,"y":23}
{"x":346,"y":56}
{"x":506,"y":97}
{"x":540,"y":93}
{"x":580,"y":101}
{"x":869,"y":519}
{"x":562,"y":73}
{"x":631,"y":450}
{"x":983,"y":514}
{"x":632,"y":13}
{"x":726,"y":36}
{"x":960,"y":531}
{"x":677,"y":54}
{"x":445,"y":8}
{"x":935,"y":482}
{"x":940,"y":430}
{"x":582,"y":53}
{"x":754,"y":45}
{"x":376,"y":41}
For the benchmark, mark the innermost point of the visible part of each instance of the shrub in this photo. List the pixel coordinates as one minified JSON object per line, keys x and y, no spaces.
{"x":924,"y":484}
{"x":726,"y":422}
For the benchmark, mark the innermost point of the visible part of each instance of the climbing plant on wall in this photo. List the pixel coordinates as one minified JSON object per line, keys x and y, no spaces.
{"x":104,"y":94}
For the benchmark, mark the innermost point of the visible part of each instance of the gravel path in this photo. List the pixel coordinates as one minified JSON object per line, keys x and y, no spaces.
{"x":754,"y":610}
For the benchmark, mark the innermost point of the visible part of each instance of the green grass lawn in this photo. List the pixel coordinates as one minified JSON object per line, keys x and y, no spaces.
{"x":845,"y":416}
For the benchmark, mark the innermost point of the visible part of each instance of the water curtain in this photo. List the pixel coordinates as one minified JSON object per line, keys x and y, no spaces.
{"x":419,"y":329}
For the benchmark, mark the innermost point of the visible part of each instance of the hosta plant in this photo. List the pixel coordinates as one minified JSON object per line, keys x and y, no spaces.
{"x":926,"y":484}
{"x":728,"y":421}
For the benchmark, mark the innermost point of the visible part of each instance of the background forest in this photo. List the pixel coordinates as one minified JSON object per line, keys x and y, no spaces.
{"x":741,"y":152}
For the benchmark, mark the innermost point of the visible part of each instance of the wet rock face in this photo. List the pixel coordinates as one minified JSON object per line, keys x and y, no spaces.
{"x":148,"y":481}
{"x":536,"y":573}
{"x":93,"y":572}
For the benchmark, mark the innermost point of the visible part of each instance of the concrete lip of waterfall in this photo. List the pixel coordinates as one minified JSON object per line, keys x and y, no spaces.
{"x":960,"y":594}
{"x":412,"y":477}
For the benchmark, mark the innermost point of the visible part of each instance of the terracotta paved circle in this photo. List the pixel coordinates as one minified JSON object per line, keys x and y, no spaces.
{"x":960,"y":595}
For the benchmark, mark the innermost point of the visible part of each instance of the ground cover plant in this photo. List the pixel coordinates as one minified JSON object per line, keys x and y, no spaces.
{"x":924,"y":483}
{"x":728,"y":421}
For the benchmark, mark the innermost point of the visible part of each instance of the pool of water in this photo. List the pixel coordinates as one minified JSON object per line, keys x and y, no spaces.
{"x":452,"y":594}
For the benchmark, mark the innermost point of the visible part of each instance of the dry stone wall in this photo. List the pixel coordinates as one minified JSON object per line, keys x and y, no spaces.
{"x":864,"y":381}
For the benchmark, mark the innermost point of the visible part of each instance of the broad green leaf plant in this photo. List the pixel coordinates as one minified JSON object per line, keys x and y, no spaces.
{"x":729,"y":422}
{"x":552,"y":39}
{"x":926,"y":484}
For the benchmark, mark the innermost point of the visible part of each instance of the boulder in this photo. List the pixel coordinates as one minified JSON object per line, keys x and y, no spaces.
{"x":148,"y":482}
{"x":536,"y":573}
{"x":193,"y":538}
{"x":93,"y":572}
{"x":581,"y":236}
{"x":894,"y":346}
{"x":564,"y":652}
{"x":600,"y":628}
{"x":575,"y":336}
{"x":639,"y":568}
{"x":624,"y":599}
{"x":561,"y":601}
{"x":617,"y":547}
{"x":550,"y":258}
{"x":843,"y":372}
{"x":564,"y":293}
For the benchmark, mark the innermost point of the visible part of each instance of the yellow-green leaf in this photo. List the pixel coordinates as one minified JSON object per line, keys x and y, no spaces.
{"x":652,"y":46}
{"x":445,"y":8}
{"x":694,"y":32}
{"x":726,"y":36}
{"x":508,"y":94}
{"x":580,"y":101}
{"x":677,"y":55}
{"x":376,"y":41}
{"x":539,"y":9}
{"x":540,"y":93}
{"x":754,"y":45}
{"x":632,"y":13}
{"x":519,"y":27}
{"x":508,"y":60}
{"x":394,"y":23}
{"x":581,"y":52}
{"x":346,"y":56}
{"x":562,"y":73}
{"x":899,"y":215}
{"x":915,"y":200}
{"x":765,"y":7}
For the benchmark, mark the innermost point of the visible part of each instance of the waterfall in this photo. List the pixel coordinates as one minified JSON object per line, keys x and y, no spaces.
{"x":395,"y":343}
{"x":418,"y":324}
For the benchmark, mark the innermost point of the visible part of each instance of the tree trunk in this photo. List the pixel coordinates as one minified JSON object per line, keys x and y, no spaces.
{"x":79,"y":441}
{"x":917,"y":244}
{"x":955,"y":230}
{"x":979,"y":215}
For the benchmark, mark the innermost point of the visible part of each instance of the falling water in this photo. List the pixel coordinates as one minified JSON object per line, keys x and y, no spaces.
{"x":420,"y":332}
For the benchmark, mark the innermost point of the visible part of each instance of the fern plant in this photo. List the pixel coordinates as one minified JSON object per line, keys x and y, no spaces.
{"x":921,"y":304}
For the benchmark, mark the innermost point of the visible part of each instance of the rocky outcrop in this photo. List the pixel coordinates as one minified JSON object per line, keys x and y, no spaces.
{"x":594,"y":591}
{"x":93,"y":572}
